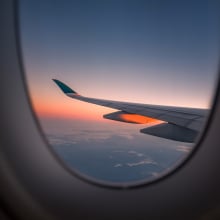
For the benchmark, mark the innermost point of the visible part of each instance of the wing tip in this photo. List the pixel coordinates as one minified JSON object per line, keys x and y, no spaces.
{"x":66,"y":89}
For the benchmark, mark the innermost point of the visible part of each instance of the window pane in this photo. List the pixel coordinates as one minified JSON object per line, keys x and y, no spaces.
{"x":147,"y":52}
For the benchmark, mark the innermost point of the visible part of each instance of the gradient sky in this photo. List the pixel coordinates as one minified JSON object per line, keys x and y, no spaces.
{"x":154,"y":52}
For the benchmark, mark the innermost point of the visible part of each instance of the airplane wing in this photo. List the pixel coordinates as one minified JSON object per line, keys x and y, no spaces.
{"x":176,"y":123}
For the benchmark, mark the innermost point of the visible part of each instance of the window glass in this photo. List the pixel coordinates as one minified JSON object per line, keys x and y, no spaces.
{"x":160,"y":53}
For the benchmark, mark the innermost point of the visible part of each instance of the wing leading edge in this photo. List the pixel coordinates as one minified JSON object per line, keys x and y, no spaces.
{"x":176,"y":123}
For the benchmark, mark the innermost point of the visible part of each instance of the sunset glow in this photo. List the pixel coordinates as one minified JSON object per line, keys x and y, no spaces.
{"x":69,"y":109}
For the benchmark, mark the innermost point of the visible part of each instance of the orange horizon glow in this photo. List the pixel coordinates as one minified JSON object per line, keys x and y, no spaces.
{"x":60,"y":115}
{"x":69,"y":110}
{"x":66,"y":114}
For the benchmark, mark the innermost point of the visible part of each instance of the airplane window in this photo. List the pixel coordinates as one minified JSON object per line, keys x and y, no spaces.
{"x":121,"y":89}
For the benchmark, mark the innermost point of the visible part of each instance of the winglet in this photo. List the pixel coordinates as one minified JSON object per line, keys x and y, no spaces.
{"x":66,"y":89}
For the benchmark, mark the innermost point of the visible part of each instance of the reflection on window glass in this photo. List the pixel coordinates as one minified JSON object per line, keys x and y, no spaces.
{"x":121,"y":88}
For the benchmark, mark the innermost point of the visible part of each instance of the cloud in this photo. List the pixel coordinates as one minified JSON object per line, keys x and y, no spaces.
{"x":54,"y":140}
{"x":118,"y":165}
{"x":185,"y":149}
{"x":142,"y":162}
{"x":99,"y":135}
{"x":136,"y":153}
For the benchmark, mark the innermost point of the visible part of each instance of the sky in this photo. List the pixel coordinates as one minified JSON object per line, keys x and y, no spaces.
{"x":154,"y":52}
